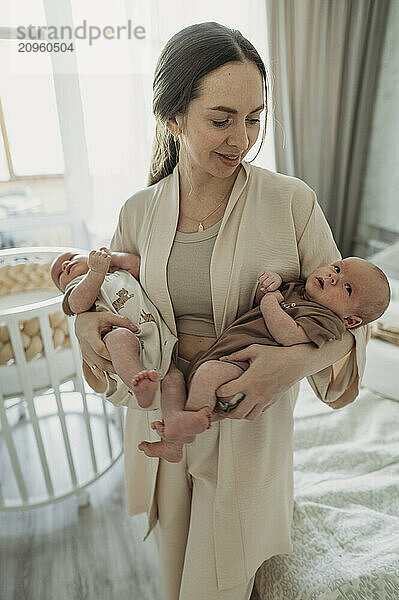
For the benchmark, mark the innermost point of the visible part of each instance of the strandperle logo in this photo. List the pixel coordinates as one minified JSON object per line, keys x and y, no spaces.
{"x":80,"y":32}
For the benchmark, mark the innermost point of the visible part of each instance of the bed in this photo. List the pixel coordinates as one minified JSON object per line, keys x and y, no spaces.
{"x":346,"y":509}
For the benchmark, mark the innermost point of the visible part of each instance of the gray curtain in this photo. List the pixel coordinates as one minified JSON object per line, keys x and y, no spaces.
{"x":324,"y":59}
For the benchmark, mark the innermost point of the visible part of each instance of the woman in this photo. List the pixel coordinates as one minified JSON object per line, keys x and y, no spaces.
{"x":206,"y":225}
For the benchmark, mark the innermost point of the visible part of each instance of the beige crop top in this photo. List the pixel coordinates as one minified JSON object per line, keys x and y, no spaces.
{"x":189,"y":282}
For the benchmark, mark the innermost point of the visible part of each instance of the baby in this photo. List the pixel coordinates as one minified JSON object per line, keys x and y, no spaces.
{"x":88,"y":285}
{"x":349,"y":293}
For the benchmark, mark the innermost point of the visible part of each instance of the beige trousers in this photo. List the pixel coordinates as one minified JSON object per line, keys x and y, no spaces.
{"x":185,"y":496}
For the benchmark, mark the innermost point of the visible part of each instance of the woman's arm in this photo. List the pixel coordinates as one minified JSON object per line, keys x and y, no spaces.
{"x":273,"y":370}
{"x":316,"y":246}
{"x":335,"y":369}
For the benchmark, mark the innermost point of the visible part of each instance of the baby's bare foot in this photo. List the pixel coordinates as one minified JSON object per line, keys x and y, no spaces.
{"x":159,"y":427}
{"x":184,"y":425}
{"x":144,"y":386}
{"x":170,"y":451}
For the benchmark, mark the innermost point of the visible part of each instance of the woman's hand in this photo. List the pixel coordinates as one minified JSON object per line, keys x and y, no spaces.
{"x":272,"y":371}
{"x":88,"y":328}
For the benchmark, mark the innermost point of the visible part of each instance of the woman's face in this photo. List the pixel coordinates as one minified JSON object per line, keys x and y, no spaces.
{"x":224,"y":120}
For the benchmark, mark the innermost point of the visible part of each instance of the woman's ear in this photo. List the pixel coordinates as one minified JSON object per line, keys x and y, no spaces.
{"x":352,"y":321}
{"x":174,"y":125}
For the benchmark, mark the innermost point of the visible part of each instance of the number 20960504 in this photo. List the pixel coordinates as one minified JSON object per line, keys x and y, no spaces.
{"x":45,"y":47}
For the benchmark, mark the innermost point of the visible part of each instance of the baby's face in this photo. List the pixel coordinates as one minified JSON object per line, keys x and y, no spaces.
{"x":66,"y":267}
{"x":341,"y":287}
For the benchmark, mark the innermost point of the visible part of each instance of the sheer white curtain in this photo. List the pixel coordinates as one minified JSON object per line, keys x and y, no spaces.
{"x":116,"y":89}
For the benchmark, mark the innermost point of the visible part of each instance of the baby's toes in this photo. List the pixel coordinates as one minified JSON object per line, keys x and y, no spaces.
{"x":142,"y":374}
{"x":153,"y":375}
{"x":138,"y":376}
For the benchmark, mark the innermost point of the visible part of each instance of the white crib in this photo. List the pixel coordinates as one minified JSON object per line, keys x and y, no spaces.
{"x":50,"y":424}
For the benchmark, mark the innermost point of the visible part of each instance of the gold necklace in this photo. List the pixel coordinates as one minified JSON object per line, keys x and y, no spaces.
{"x":201,"y":226}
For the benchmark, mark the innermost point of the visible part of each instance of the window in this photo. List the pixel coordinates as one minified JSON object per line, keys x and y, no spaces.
{"x":34,"y":204}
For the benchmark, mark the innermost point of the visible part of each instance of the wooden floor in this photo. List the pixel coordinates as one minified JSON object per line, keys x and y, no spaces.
{"x":62,"y":552}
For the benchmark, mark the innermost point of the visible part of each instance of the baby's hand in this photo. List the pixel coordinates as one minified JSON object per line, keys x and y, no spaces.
{"x":269,"y":281}
{"x":99,"y":260}
{"x":276,"y":294}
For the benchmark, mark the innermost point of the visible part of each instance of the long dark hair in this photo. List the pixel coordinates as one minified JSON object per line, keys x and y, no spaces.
{"x":187,"y":57}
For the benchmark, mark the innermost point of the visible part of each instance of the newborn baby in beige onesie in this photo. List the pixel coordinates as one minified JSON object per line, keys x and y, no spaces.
{"x":344,"y":295}
{"x":141,"y":359}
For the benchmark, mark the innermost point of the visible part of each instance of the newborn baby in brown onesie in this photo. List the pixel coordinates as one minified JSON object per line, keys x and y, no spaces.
{"x":349,"y":293}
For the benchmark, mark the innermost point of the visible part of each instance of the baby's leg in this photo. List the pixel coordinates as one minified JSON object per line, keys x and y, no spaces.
{"x":206,"y":380}
{"x":124,"y":348}
{"x":173,"y":398}
{"x":179,"y":425}
{"x":182,"y":425}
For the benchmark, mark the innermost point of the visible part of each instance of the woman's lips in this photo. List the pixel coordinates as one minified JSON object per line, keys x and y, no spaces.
{"x":231,"y":161}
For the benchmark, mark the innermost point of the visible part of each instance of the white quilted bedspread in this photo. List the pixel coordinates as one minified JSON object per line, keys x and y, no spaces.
{"x":346,"y":512}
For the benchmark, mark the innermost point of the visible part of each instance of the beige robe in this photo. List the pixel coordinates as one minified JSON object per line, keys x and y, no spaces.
{"x":271,"y":221}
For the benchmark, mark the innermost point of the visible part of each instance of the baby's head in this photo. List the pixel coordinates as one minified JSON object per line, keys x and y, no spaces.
{"x":353,"y":288}
{"x":66,"y":267}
